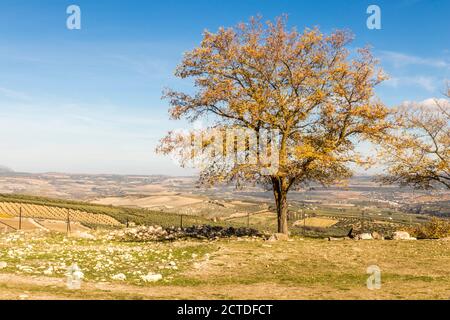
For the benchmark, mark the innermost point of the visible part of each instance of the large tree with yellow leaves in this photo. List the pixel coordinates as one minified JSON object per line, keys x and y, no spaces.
{"x":302,"y":85}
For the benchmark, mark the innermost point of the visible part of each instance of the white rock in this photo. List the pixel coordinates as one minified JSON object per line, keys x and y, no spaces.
{"x":402,"y":235}
{"x":197,"y":265}
{"x":49,"y":271}
{"x":84,"y":235}
{"x":3,"y":264}
{"x":365,"y":236}
{"x":119,"y":276}
{"x":279,"y":237}
{"x":152,"y":277}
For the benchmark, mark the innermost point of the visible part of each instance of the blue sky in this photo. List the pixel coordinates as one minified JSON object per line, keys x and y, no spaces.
{"x":89,"y":100}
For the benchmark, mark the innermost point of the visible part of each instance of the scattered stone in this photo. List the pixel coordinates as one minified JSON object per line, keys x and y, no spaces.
{"x":152,"y":277}
{"x":214,"y":232}
{"x":197,"y":265}
{"x":119,"y":277}
{"x":172,"y":265}
{"x":377,"y":236}
{"x":279,"y":237}
{"x":157,"y":233}
{"x":402,"y":235}
{"x":48,"y":271}
{"x":83,"y":235}
{"x":141,"y":233}
{"x":365,"y":236}
{"x":335,"y":239}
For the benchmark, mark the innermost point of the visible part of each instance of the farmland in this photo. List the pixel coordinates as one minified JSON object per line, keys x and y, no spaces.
{"x":310,"y":217}
{"x":91,"y":215}
{"x":27,"y":210}
{"x":34,"y":260}
{"x":313,"y":221}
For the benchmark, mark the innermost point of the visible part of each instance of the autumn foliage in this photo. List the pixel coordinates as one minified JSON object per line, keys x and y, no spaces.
{"x":417,"y":153}
{"x":262,"y":76}
{"x":434,"y":229}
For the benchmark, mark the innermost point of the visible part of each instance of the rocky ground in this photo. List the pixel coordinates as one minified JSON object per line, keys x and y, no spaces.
{"x":43,"y":265}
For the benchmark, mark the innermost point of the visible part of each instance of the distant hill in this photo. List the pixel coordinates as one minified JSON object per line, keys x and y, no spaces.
{"x":4,"y":169}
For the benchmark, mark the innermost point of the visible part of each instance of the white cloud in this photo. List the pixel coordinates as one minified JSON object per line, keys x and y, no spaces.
{"x":430,"y":103}
{"x":424,"y":82}
{"x":13,"y":94}
{"x":401,"y":59}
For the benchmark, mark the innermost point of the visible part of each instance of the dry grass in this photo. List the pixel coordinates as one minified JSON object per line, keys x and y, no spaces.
{"x":316,"y":222}
{"x":299,"y":269}
{"x":4,"y":215}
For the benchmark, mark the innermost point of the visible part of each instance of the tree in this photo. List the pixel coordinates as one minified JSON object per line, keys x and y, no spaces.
{"x":303,"y":86}
{"x":418,"y":153}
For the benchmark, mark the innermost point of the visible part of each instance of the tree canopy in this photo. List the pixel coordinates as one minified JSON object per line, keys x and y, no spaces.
{"x":305,"y":86}
{"x":418,"y":153}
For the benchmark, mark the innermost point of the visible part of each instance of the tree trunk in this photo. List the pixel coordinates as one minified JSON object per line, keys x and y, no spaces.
{"x":280,"y":195}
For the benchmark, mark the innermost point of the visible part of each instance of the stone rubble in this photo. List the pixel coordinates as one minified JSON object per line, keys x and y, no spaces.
{"x":151,"y":277}
{"x":402,"y":235}
{"x":157,"y":233}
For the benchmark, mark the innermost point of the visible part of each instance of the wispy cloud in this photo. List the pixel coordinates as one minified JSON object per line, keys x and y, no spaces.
{"x":430,"y":103}
{"x":398,"y":59}
{"x":145,"y":66}
{"x":424,"y":82}
{"x":13,"y":94}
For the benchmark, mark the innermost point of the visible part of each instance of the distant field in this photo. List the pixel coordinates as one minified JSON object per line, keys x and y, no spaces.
{"x":92,"y":215}
{"x":4,"y":215}
{"x":169,"y":201}
{"x":55,"y":213}
{"x":28,"y":224}
{"x":316,"y":222}
{"x":322,"y":221}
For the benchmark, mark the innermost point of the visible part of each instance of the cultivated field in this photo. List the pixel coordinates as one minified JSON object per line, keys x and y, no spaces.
{"x":55,"y":213}
{"x":307,"y":220}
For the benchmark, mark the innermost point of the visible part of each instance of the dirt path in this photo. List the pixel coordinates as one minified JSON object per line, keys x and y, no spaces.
{"x":17,"y":287}
{"x":13,"y":287}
